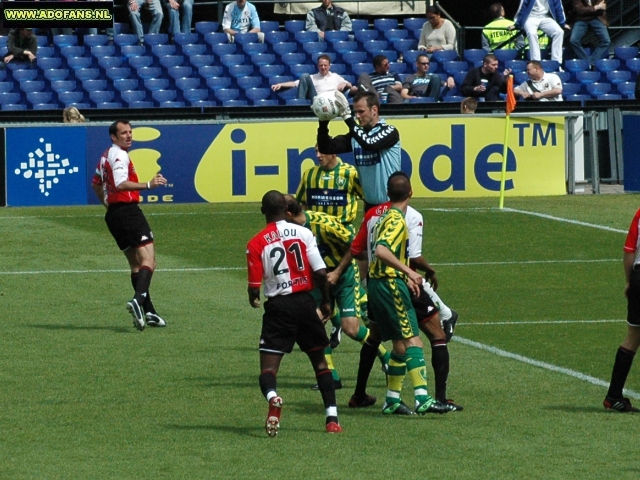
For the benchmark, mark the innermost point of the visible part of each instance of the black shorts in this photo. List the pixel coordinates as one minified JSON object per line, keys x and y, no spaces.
{"x":128,"y":225}
{"x":424,"y":306}
{"x":633,"y":298}
{"x":290,"y":319}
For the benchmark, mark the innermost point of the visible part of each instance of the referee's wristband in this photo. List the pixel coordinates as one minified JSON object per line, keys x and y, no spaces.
{"x":148,"y":186}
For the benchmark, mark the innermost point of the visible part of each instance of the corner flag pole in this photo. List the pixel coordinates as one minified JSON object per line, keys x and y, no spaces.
{"x":511,"y":105}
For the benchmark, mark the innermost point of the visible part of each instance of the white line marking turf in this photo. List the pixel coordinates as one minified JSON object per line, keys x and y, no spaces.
{"x":539,"y":364}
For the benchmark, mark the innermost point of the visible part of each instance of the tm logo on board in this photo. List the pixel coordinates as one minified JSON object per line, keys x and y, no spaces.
{"x":45,"y":167}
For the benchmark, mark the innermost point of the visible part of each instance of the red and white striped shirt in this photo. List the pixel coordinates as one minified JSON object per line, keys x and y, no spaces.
{"x":116,"y":167}
{"x":283,"y":255}
{"x":631,"y":245}
{"x":362,"y":241}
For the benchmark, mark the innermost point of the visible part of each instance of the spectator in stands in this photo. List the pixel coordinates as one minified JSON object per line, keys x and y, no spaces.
{"x":468,"y":106}
{"x":485,"y":81}
{"x":180,"y":15}
{"x":22,"y":45}
{"x":437,"y":33}
{"x":590,"y":15}
{"x":546,"y":15}
{"x":323,"y":81}
{"x":72,"y":115}
{"x":496,"y":34}
{"x":241,"y":17}
{"x":541,"y":86}
{"x":387,"y":84}
{"x":423,"y":83}
{"x":327,"y":17}
{"x":135,"y":7}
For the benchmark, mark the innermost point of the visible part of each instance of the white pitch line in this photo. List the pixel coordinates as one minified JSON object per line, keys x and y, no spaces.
{"x":544,"y":365}
{"x":542,"y":322}
{"x":524,"y":262}
{"x":566,"y":220}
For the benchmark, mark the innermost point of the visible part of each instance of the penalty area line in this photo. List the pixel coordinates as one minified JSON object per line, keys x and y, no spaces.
{"x":543,"y":365}
{"x":542,"y":322}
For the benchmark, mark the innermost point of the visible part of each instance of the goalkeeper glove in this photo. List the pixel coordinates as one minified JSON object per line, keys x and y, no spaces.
{"x":343,"y":106}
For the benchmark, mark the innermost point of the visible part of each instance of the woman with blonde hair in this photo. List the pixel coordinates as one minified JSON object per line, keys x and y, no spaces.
{"x":72,"y":115}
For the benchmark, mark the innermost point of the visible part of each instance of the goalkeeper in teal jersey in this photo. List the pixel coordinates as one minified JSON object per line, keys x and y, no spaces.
{"x":334,"y":242}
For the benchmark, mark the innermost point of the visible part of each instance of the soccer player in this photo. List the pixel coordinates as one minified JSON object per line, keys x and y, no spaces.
{"x":334,"y":242}
{"x":116,"y":185}
{"x":627,"y":351}
{"x":286,"y":257}
{"x":391,"y":283}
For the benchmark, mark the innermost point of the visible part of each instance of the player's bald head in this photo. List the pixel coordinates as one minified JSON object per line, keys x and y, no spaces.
{"x":398,"y":187}
{"x":273,"y":204}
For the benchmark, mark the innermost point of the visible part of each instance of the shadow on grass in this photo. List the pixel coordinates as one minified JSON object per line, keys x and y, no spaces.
{"x":85,"y":327}
{"x":253,"y":431}
{"x":578,"y":409}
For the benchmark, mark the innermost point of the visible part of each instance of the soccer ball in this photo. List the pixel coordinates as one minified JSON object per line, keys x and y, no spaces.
{"x":324,"y":106}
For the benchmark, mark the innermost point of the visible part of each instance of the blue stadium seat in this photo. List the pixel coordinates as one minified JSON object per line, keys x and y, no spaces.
{"x":206,"y":27}
{"x":123,"y":84}
{"x":195,"y":94}
{"x":283,"y":48}
{"x":397,"y":67}
{"x":333,"y":36}
{"x":79,"y":62}
{"x":269,"y":26}
{"x":121,"y":28}
{"x":93,"y":40}
{"x":145,"y":104}
{"x":454,"y":66}
{"x":628,"y":89}
{"x":103,"y":51}
{"x":516,"y":65}
{"x":276,"y":37}
{"x":211,"y":71}
{"x":299,"y":70}
{"x":202,"y":60}
{"x":109,"y":62}
{"x":152,"y":84}
{"x":563,"y":76}
{"x":221,"y":49}
{"x":293,"y":58}
{"x":280,"y":79}
{"x":86,"y":73}
{"x":187,"y":83}
{"x":215,"y":38}
{"x":314,"y":48}
{"x":442,"y":56}
{"x":405,"y":45}
{"x":46,"y":106}
{"x":598,"y":88}
{"x":607,"y":64}
{"x":520,"y":77}
{"x":168,"y":61}
{"x":413,"y":23}
{"x":293,"y":26}
{"x":453,"y":99}
{"x":108,"y":105}
{"x":237,"y":71}
{"x":303,"y":36}
{"x":421,"y":100}
{"x":609,"y":96}
{"x":265,"y":103}
{"x":343,"y":47}
{"x":42,"y":40}
{"x":27,"y":86}
{"x":12,"y":106}
{"x":235,"y":103}
{"x":194,"y":49}
{"x":232,"y":59}
{"x":633,"y":64}
{"x":570,"y":88}
{"x":359,"y":68}
{"x":118,"y":73}
{"x":254,"y":94}
{"x":48,"y":62}
{"x":410,"y":56}
{"x":359,"y":24}
{"x":204,"y":103}
{"x":161,"y":50}
{"x":141,"y":61}
{"x":161,"y":96}
{"x":68,"y":98}
{"x":254,"y":48}
{"x":129,"y":51}
{"x":184,"y":39}
{"x":149,"y":72}
{"x":618,"y":76}
{"x":94,"y":85}
{"x":261,"y":59}
{"x":46,"y":52}
{"x":242,"y":38}
{"x":339,"y":68}
{"x":625,"y":53}
{"x":587,"y":77}
{"x":474,"y":55}
{"x":65,"y":40}
{"x":271,"y":70}
{"x":576,"y":65}
{"x":392,"y":35}
{"x":180,"y":72}
{"x":298,"y":101}
{"x":505,"y":55}
{"x":215,"y":83}
{"x":550,"y":65}
{"x":224,"y":94}
{"x":251,"y":81}
{"x":125,"y":39}
{"x":129,"y":96}
{"x":100,"y":96}
{"x":391,"y":55}
{"x":363,"y":36}
{"x":56,"y":74}
{"x":39,"y":97}
{"x":374,"y":47}
{"x":383,"y":24}
{"x":25,"y":74}
{"x":72,"y":51}
{"x":156,"y":39}
{"x":63,"y":85}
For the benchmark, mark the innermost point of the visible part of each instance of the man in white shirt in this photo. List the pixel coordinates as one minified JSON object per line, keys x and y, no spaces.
{"x":541,"y":86}
{"x":547,"y":16}
{"x":311,"y":85}
{"x":241,"y":17}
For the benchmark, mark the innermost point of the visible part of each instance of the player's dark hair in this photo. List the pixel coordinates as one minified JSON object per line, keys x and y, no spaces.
{"x":324,"y":56}
{"x":293,"y":206}
{"x":535,"y":63}
{"x":495,"y":10}
{"x":378,"y":60}
{"x":489,"y":57}
{"x":422,"y":55}
{"x":371,"y":98}
{"x":434,"y":10}
{"x":398,"y":187}
{"x":273,"y":204}
{"x":113,"y":128}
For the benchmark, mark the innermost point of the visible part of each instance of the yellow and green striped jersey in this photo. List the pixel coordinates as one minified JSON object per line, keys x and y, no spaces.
{"x":333,"y":237}
{"x":334,"y":191}
{"x":391,"y":231}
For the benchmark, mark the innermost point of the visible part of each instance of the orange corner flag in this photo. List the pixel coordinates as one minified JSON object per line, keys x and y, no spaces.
{"x":511,"y":99}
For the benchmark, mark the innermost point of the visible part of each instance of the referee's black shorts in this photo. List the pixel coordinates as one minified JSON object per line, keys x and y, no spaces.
{"x":633,"y":298}
{"x":128,"y":225}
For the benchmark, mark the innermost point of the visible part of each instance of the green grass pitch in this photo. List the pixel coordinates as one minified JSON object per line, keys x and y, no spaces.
{"x":539,"y":290}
